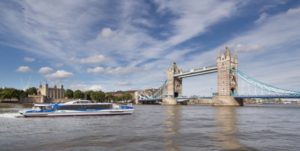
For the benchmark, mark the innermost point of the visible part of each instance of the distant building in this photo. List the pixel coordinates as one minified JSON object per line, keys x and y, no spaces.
{"x":51,"y":93}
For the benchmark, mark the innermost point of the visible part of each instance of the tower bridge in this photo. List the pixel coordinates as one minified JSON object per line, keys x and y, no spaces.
{"x":229,"y":93}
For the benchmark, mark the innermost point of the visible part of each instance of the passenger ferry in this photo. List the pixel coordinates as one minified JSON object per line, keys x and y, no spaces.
{"x":77,"y":108}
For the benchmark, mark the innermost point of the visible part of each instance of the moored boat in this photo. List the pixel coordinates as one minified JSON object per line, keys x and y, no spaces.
{"x":77,"y":108}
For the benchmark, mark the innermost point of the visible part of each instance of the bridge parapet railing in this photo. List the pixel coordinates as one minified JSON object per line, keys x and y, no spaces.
{"x":198,"y":69}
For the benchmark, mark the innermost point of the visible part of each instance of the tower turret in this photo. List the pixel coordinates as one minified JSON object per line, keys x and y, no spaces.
{"x":227,"y":79}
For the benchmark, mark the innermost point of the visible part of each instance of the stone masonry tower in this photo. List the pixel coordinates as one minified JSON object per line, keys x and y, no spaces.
{"x":173,"y":86}
{"x":227,"y":80}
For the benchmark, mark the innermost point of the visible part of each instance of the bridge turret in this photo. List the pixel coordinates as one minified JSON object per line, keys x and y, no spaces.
{"x":227,"y":78}
{"x":227,"y":52}
{"x":173,"y":86}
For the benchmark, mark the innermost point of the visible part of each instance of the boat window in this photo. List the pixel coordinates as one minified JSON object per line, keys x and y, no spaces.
{"x":85,"y":107}
{"x":42,"y":107}
{"x":48,"y":107}
{"x":36,"y":108}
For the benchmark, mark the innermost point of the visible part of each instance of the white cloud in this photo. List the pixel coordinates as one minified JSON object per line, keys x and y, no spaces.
{"x":112,"y":70}
{"x":272,"y":50}
{"x":59,"y":65}
{"x":195,"y":16}
{"x":45,"y":70}
{"x":67,"y":29}
{"x":106,"y":32}
{"x":29,"y":59}
{"x":269,"y":53}
{"x":85,"y":87}
{"x":93,"y":59}
{"x":59,"y":74}
{"x":245,"y":47}
{"x":64,"y":30}
{"x":273,"y":32}
{"x":261,"y":18}
{"x":96,"y":70}
{"x":123,"y":83}
{"x":23,"y":69}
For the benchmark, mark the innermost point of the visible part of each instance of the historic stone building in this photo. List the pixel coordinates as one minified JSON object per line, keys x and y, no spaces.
{"x":51,"y":93}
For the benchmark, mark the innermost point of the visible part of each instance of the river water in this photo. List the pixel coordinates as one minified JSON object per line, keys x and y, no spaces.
{"x":154,"y":127}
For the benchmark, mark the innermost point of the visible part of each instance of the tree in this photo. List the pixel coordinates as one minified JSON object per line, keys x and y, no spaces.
{"x":109,"y":97}
{"x":31,"y":91}
{"x":118,"y":98}
{"x":69,"y":94}
{"x":98,"y":96}
{"x":78,"y":94}
{"x":21,"y":94}
{"x":87,"y":94}
{"x":127,"y":96}
{"x":9,"y":93}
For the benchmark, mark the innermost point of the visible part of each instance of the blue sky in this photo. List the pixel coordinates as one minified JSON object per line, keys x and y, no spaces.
{"x":120,"y":45}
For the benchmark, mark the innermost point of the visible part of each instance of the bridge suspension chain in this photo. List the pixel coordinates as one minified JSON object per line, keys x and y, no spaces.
{"x":265,"y":86}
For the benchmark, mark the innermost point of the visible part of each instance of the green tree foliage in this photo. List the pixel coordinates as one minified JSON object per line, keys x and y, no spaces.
{"x":69,"y":93}
{"x":22,"y":94}
{"x":98,"y":96}
{"x":31,"y":91}
{"x":109,"y":97}
{"x":11,"y":93}
{"x":127,"y":96}
{"x":78,"y":94}
{"x":87,"y":94}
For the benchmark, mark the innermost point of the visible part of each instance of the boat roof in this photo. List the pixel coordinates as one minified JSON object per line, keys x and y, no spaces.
{"x":78,"y":101}
{"x":83,"y":102}
{"x":42,"y":105}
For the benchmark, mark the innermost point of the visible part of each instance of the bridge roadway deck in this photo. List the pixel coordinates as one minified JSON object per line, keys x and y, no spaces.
{"x":268,"y":97}
{"x":196,"y":72}
{"x":180,"y":99}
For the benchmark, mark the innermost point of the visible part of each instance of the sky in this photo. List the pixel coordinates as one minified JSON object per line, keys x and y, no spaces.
{"x":114,"y":45}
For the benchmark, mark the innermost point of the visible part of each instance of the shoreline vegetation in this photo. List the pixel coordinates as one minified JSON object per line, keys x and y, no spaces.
{"x":12,"y":95}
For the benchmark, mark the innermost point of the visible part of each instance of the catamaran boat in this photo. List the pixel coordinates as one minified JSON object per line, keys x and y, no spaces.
{"x":76,"y":108}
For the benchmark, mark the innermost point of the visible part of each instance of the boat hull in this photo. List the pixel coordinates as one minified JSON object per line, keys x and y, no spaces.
{"x":78,"y":113}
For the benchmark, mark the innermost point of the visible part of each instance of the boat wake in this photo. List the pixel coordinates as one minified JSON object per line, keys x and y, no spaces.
{"x":9,"y":115}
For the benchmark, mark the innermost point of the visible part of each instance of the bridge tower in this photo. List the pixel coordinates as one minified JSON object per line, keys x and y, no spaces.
{"x":227,"y":80}
{"x":173,"y":86}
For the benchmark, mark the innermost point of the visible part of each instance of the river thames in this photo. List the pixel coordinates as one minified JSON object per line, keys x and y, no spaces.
{"x":154,"y":127}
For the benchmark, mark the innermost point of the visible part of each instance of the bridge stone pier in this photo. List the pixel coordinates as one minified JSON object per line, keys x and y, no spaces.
{"x":173,"y":85}
{"x":227,"y":80}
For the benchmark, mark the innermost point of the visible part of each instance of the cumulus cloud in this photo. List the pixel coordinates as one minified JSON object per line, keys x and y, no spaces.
{"x":59,"y":74}
{"x":106,"y":32}
{"x":29,"y":59}
{"x":45,"y":70}
{"x":93,"y":59}
{"x":23,"y":69}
